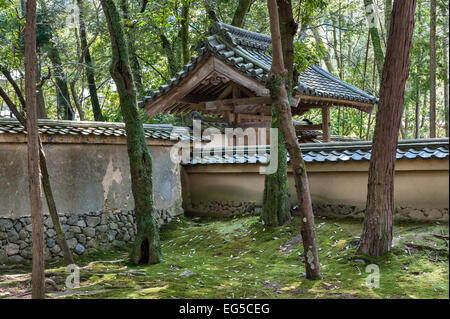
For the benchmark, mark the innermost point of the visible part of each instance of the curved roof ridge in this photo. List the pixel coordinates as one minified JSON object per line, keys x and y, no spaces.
{"x":245,"y":37}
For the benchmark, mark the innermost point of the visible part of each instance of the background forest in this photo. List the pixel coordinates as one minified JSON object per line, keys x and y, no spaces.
{"x":73,"y":46}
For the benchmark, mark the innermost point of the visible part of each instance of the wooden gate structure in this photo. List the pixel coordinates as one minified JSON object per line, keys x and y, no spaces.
{"x":228,"y":79}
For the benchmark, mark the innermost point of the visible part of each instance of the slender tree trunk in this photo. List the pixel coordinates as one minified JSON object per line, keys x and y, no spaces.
{"x":376,"y":238}
{"x":375,"y":36}
{"x":326,"y":56}
{"x":387,"y":15}
{"x":446,"y":110}
{"x":335,"y":48}
{"x":277,"y":85}
{"x":76,"y":101}
{"x":43,"y":166}
{"x":374,"y":82}
{"x":37,"y":218}
{"x":364,"y":84}
{"x":276,"y":206}
{"x":147,"y":249}
{"x":241,"y":11}
{"x":433,"y":69}
{"x":406,"y":121}
{"x":62,"y":92}
{"x":98,"y":116}
{"x":417,"y":113}
{"x":341,"y":69}
{"x":131,"y":39}
{"x":288,"y":29}
{"x":41,"y":112}
{"x":170,"y":54}
{"x":185,"y":31}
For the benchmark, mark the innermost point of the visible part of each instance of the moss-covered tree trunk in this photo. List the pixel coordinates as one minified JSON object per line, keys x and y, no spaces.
{"x":433,"y":69}
{"x":241,"y":11}
{"x":62,"y":91}
{"x":96,"y":109}
{"x":146,"y":248}
{"x":374,"y":35}
{"x":172,"y":59}
{"x":185,"y":31}
{"x":376,"y":238}
{"x":445,"y":58}
{"x":130,"y":33}
{"x":277,"y":85}
{"x":276,"y":205}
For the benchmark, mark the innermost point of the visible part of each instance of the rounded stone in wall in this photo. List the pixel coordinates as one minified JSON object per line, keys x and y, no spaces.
{"x":89,"y":231}
{"x":93,"y":221}
{"x":12,"y":249}
{"x":79,"y":249}
{"x":16,"y":259}
{"x":72,"y":243}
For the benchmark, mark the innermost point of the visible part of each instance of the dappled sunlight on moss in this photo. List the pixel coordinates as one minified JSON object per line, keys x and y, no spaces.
{"x":241,"y":258}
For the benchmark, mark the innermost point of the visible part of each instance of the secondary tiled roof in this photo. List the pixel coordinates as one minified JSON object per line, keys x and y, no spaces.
{"x":249,"y":53}
{"x":332,"y":152}
{"x":58,"y":127}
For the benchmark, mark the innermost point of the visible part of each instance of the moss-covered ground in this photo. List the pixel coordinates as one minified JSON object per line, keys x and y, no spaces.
{"x":241,"y":258}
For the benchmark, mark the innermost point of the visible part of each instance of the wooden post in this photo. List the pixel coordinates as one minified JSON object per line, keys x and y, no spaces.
{"x":326,"y":124}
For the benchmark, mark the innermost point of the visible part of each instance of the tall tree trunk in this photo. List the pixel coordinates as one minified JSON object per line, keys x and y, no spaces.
{"x":433,"y":69}
{"x":446,"y":110}
{"x":277,"y":85}
{"x":98,"y":116}
{"x":43,"y":165}
{"x":288,"y":29}
{"x":62,"y":92}
{"x":406,"y":121}
{"x":276,"y":206}
{"x":185,"y":31}
{"x":375,"y":36}
{"x":417,"y":112}
{"x":34,"y":181}
{"x":335,"y":49}
{"x":387,"y":15}
{"x":364,"y":84}
{"x":341,"y":63}
{"x":170,"y":54}
{"x":241,"y":11}
{"x":326,"y":56}
{"x":40,"y":102}
{"x":131,"y":39}
{"x":147,"y":248}
{"x":376,"y":238}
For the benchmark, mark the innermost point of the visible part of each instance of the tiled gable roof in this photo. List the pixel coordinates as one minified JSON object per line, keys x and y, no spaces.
{"x":249,"y":53}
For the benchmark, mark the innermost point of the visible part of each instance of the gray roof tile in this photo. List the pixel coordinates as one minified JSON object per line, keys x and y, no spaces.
{"x":333,"y":152}
{"x":58,"y":127}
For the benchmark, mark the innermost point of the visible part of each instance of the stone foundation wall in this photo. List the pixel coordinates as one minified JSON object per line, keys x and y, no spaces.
{"x":224,"y":208}
{"x":401,"y":213}
{"x":84,"y":232}
{"x":228,"y":208}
